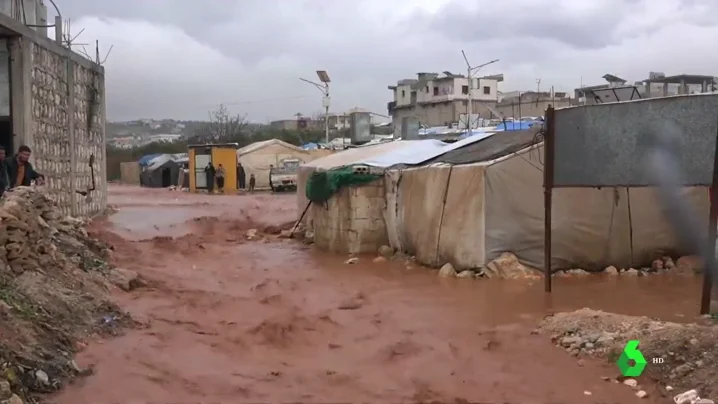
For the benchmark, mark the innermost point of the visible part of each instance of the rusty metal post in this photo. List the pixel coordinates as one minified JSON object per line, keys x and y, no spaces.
{"x":709,"y":305}
{"x":548,"y":149}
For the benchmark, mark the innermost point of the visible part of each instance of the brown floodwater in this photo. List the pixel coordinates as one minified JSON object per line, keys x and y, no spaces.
{"x":236,"y":321}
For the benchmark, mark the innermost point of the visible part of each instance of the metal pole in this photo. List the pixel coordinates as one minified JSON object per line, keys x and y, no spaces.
{"x":548,"y":195}
{"x":469,"y":107}
{"x":326,"y":113}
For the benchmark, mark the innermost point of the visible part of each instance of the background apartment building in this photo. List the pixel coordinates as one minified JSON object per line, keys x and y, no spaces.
{"x":518,"y":104}
{"x":440,"y":101}
{"x":656,"y":85}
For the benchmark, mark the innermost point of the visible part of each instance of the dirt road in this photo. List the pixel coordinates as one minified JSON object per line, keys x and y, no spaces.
{"x":268,"y":320}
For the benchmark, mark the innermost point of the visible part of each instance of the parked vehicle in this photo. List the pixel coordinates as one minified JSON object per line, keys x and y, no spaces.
{"x":284,"y":176}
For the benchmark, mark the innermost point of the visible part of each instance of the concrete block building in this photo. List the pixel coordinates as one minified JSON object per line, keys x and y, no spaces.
{"x":53,"y":100}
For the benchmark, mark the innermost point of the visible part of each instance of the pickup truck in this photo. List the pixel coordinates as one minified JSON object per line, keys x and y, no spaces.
{"x":284,"y":177}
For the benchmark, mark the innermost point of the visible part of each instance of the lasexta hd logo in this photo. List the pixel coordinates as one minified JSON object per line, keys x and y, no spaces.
{"x":631,"y":362}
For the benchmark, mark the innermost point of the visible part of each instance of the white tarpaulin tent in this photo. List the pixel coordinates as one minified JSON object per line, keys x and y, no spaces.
{"x":469,"y":214}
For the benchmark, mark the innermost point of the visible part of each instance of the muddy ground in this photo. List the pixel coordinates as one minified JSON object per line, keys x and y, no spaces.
{"x":271,"y":320}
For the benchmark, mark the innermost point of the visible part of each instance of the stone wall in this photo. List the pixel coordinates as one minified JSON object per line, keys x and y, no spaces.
{"x":66,"y":120}
{"x":352,"y":221}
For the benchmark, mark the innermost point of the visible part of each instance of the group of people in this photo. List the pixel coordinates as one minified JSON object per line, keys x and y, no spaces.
{"x":17,"y":170}
{"x":218,"y":175}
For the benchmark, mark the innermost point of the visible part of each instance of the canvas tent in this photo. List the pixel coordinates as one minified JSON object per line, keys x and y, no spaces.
{"x":257,"y":157}
{"x":162,"y":171}
{"x":468,"y":204}
{"x":468,"y":214}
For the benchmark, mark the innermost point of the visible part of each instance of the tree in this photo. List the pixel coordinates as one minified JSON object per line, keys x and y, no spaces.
{"x":221,"y":128}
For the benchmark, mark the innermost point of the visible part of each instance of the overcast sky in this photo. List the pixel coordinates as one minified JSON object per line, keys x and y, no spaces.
{"x":180,"y":58}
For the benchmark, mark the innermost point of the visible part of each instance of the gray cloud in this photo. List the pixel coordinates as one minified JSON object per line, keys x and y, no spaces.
{"x":177,"y":58}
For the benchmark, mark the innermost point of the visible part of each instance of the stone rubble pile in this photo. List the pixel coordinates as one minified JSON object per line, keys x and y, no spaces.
{"x":687,"y":351}
{"x":53,"y":291}
{"x":508,"y":266}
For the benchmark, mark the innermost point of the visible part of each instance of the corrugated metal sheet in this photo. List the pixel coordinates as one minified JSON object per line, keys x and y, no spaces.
{"x":490,"y":148}
{"x":401,"y":152}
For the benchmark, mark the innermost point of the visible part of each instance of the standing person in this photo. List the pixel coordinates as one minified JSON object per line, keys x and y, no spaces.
{"x":209,"y":174}
{"x":271,"y":168}
{"x":220,"y":178}
{"x":4,"y":178}
{"x":20,"y":171}
{"x":241,"y":177}
{"x":252,"y":182}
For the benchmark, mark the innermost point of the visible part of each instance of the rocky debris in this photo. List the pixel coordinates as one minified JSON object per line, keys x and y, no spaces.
{"x":690,"y":264}
{"x":251,"y":234}
{"x":386,"y":251}
{"x":466,"y":274}
{"x":507,"y":266}
{"x":352,"y":260}
{"x":125,"y":279}
{"x":686,"y":349}
{"x":379,"y":259}
{"x":447,"y":271}
{"x":54,"y":291}
{"x":308,"y":237}
{"x":353,"y":303}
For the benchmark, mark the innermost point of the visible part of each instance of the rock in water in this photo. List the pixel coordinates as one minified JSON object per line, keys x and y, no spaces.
{"x":466,"y":274}
{"x":690,"y":264}
{"x":126,"y":279}
{"x":386,"y":251}
{"x":447,"y":271}
{"x":507,"y":266}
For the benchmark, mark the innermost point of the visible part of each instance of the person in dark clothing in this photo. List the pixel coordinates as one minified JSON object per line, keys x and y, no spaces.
{"x":271,"y":168}
{"x":19,"y":170}
{"x":252,"y":182}
{"x":4,"y":178}
{"x":209,"y":173}
{"x":241,"y":177}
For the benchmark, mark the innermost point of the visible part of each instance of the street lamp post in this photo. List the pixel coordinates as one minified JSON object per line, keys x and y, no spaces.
{"x":470,"y":70}
{"x":324,"y":88}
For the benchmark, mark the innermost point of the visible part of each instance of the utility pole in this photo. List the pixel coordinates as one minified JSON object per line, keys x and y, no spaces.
{"x":470,"y":70}
{"x":324,"y":88}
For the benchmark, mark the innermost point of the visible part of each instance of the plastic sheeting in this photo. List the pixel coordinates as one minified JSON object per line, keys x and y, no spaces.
{"x":145,"y":160}
{"x":400,"y":152}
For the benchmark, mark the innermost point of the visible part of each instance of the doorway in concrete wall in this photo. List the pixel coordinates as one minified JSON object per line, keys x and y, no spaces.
{"x":6,"y":132}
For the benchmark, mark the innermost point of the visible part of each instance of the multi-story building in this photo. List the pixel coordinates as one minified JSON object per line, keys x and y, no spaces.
{"x":656,"y":85}
{"x":437,"y":101}
{"x":337,"y":121}
{"x":518,"y":104}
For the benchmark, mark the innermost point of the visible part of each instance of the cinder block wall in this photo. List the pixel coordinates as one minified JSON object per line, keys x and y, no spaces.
{"x":352,"y":221}
{"x":59,"y":112}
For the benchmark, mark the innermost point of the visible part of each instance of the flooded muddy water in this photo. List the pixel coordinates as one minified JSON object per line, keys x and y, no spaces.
{"x":236,"y":321}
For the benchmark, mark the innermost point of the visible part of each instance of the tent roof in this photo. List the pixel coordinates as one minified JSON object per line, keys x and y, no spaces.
{"x":145,"y":160}
{"x":399,"y":152}
{"x":160,"y":161}
{"x":490,"y":148}
{"x":265,"y":143}
{"x":358,"y":155}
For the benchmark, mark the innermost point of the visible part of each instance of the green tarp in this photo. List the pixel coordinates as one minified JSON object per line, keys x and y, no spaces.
{"x":323,"y":184}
